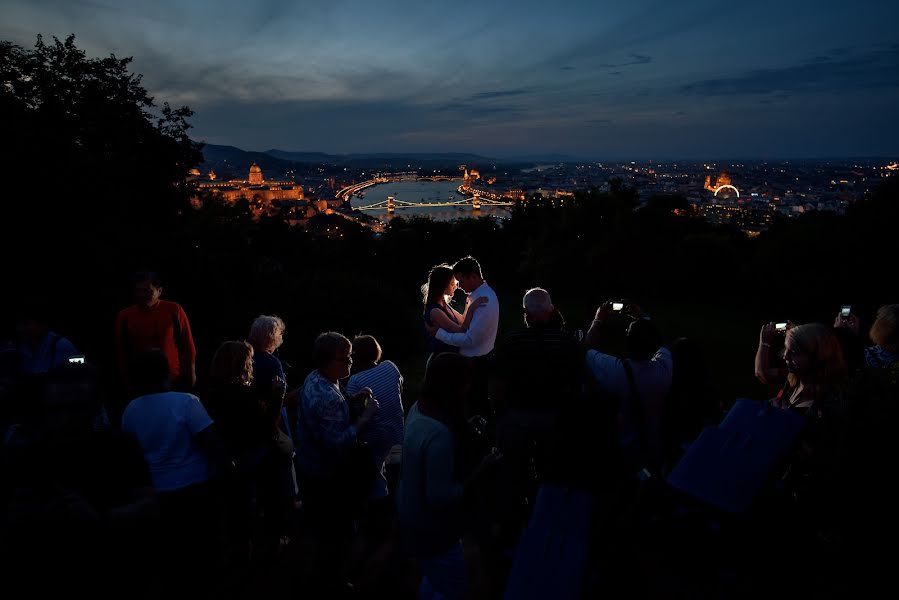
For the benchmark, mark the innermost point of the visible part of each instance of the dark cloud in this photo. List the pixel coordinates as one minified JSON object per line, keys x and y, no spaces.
{"x":872,"y":69}
{"x":638,"y":59}
{"x":477,"y":111}
{"x":498,"y":94}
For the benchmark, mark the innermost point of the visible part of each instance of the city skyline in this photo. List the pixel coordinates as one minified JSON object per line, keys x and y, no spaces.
{"x":639,"y":79}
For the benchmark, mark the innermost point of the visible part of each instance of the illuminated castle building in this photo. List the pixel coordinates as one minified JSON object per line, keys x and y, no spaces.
{"x":254,"y":188}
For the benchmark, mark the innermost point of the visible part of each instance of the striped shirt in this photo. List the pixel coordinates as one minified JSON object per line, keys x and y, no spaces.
{"x":385,"y":429}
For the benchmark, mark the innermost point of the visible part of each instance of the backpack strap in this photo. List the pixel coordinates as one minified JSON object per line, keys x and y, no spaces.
{"x":637,"y":407}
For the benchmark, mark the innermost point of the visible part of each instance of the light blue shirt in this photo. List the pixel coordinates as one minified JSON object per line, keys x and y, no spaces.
{"x":481,"y":335}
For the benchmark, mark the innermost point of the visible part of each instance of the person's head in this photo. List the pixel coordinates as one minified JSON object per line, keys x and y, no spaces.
{"x":147,"y":288}
{"x":266,"y":333}
{"x":885,"y":330}
{"x":332,"y":353}
{"x":813,"y":355}
{"x":366,"y":351}
{"x":468,"y":273}
{"x":33,"y":320}
{"x":232,"y":363}
{"x":150,"y":372}
{"x":538,"y":306}
{"x":447,"y":381}
{"x":643,"y":340}
{"x":441,"y":284}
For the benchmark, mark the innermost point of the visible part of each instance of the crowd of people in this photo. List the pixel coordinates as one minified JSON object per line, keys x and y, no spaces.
{"x":194,"y":487}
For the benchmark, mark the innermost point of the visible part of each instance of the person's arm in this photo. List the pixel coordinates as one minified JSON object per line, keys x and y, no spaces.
{"x":763,"y":370}
{"x":477,"y":330}
{"x":141,"y":507}
{"x":442,"y":321}
{"x":592,"y":339}
{"x":335,"y":431}
{"x":850,"y":322}
{"x":188,"y":350}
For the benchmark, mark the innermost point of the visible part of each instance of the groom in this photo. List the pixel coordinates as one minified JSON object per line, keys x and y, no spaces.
{"x":476,"y":343}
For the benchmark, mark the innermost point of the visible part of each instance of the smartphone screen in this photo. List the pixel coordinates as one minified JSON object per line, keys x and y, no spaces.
{"x":846,"y":310}
{"x":780,"y":326}
{"x":77,"y":359}
{"x":617,"y":305}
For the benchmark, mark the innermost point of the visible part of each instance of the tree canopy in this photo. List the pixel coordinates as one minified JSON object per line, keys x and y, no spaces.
{"x":86,"y":146}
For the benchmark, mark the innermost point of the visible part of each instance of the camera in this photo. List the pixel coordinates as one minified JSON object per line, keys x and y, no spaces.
{"x":78,"y":359}
{"x":845,"y":311}
{"x":617,"y":306}
{"x":780,"y":327}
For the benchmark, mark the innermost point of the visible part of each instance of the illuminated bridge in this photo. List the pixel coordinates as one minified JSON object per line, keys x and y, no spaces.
{"x":392,"y":204}
{"x":345,"y":193}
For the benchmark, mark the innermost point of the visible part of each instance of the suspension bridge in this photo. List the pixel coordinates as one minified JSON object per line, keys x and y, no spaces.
{"x":392,"y":204}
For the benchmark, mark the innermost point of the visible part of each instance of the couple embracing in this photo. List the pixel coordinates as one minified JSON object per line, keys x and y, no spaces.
{"x":471,"y":333}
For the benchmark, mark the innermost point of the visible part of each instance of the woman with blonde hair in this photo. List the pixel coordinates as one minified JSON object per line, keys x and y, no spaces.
{"x":266,"y":336}
{"x":816,"y":367}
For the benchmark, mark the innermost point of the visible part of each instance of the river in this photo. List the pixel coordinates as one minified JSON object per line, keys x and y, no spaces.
{"x":423,"y":191}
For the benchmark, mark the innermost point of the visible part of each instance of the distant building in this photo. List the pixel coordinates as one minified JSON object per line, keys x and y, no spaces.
{"x":254,"y":188}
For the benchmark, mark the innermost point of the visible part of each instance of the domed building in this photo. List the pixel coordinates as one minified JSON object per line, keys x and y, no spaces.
{"x":256,"y":174}
{"x":254,"y":188}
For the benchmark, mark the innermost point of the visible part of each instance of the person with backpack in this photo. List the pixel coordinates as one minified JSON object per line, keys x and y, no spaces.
{"x":638,"y":384}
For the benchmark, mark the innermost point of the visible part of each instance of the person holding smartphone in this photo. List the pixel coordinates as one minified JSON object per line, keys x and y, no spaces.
{"x":39,"y":348}
{"x":768,"y":371}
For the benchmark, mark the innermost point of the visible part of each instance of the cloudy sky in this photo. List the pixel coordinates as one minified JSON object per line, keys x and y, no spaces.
{"x":648,"y":79}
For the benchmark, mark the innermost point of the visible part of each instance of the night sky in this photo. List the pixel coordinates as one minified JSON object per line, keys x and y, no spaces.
{"x":594,"y":79}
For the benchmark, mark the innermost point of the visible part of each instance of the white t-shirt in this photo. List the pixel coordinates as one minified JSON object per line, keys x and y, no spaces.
{"x":165,"y":425}
{"x":653,"y":381}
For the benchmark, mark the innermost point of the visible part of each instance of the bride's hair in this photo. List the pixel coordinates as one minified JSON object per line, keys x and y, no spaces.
{"x":438,"y":279}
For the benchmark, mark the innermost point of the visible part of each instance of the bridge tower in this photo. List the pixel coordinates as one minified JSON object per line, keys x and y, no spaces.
{"x":390,"y":206}
{"x":476,"y":203}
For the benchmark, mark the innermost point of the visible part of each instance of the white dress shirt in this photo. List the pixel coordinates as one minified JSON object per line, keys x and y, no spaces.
{"x":481,"y":335}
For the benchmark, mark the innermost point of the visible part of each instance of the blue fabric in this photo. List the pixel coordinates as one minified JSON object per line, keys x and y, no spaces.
{"x":879,"y":357}
{"x":728,"y":465}
{"x":323,"y":428}
{"x":265,"y":368}
{"x":551,"y":557}
{"x":443,"y":575}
